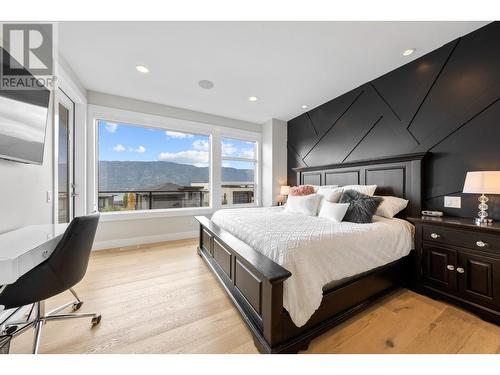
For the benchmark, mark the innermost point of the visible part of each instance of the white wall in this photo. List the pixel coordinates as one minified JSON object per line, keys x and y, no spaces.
{"x":274,"y":160}
{"x":23,"y":188}
{"x":114,"y":234}
{"x":139,"y":230}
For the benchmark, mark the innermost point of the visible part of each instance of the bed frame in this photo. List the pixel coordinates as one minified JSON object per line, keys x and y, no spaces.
{"x":254,"y":282}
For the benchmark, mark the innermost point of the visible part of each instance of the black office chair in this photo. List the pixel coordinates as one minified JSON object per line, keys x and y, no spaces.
{"x":65,"y":267}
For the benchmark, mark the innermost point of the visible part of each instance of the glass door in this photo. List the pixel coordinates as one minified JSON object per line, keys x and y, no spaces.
{"x":65,"y":159}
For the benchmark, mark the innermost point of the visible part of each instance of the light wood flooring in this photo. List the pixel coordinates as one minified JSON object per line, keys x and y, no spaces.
{"x":163,"y":299}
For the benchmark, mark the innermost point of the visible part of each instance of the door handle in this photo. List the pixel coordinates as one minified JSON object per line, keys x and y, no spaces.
{"x":450,"y":267}
{"x":435,"y":235}
{"x":73,"y":190}
{"x":481,"y":244}
{"x":460,"y":270}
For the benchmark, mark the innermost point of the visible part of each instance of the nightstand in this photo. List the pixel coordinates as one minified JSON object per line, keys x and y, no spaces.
{"x":459,"y":261}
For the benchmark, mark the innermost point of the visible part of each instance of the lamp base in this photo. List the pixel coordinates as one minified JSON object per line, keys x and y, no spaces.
{"x":482,"y":221}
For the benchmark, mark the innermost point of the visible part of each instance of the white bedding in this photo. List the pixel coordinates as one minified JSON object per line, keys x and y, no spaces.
{"x":316,"y":250}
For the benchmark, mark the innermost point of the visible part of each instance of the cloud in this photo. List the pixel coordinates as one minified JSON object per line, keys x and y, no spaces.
{"x":172,"y":134}
{"x":111,"y":127}
{"x":200,"y":145}
{"x":140,"y":149}
{"x":119,"y":148}
{"x":249,"y":154}
{"x":228,"y":149}
{"x":192,"y":157}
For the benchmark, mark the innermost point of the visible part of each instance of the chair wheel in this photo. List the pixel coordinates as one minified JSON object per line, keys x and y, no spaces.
{"x":77,"y":306}
{"x":96,"y":320}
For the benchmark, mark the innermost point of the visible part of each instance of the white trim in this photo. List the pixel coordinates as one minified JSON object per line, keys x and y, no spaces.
{"x":167,"y":123}
{"x":79,"y":98}
{"x":135,"y":241}
{"x":148,"y":214}
{"x":215,"y":132}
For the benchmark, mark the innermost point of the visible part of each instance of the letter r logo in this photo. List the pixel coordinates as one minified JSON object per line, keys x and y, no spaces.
{"x":28,"y":49}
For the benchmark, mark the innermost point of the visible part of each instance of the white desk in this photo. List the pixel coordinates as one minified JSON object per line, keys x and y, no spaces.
{"x":25,"y":248}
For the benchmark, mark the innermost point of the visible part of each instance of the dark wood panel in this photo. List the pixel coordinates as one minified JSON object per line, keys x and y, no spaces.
{"x":342,"y":178}
{"x":470,"y":80}
{"x":439,"y":267}
{"x":389,"y":181}
{"x":303,"y":136}
{"x":404,"y":89}
{"x":248,"y":284}
{"x":474,"y":280}
{"x":399,"y":176}
{"x":311,"y":179}
{"x":336,"y":145}
{"x":326,"y":115}
{"x":480,"y":281}
{"x":223,"y":257}
{"x":207,"y":241}
{"x":463,"y":238}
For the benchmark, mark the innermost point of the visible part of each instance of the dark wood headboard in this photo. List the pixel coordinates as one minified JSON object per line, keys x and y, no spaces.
{"x":400,"y":176}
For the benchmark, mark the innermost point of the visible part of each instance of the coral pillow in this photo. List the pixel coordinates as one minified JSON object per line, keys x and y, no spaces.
{"x":298,"y":191}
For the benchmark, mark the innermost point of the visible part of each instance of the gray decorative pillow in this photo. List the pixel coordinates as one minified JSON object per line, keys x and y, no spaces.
{"x":362,"y":207}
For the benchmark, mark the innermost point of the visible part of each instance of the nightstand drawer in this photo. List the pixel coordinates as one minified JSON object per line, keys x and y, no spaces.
{"x":463,"y":238}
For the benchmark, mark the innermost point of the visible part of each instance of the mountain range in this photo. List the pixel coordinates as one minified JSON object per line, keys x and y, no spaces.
{"x":140,"y":175}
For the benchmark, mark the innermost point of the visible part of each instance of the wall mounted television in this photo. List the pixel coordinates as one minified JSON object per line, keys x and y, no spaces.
{"x":23,"y":122}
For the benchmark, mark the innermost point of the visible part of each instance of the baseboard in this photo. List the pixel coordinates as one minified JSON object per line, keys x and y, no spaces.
{"x":135,"y":241}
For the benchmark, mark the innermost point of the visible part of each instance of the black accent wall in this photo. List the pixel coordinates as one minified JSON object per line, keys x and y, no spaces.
{"x":446,"y":102}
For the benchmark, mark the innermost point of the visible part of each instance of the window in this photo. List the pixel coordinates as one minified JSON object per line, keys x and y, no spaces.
{"x":147,"y":168}
{"x":238,"y":171}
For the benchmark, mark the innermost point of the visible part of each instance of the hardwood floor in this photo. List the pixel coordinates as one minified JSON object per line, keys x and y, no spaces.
{"x":163,"y":299}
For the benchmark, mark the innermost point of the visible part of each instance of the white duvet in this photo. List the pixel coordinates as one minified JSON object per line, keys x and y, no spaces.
{"x":315,"y":250}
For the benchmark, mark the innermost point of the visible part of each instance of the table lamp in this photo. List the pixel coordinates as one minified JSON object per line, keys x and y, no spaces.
{"x":284,"y":191}
{"x":485,"y":182}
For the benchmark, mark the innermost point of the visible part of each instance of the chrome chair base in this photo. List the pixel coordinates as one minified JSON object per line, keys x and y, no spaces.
{"x":15,"y":328}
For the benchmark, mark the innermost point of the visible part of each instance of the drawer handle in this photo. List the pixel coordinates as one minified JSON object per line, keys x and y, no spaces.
{"x":481,"y":244}
{"x":450,"y":267}
{"x":460,"y":270}
{"x":435,"y":235}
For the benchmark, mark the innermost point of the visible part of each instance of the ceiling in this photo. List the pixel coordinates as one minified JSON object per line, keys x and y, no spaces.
{"x":284,"y":64}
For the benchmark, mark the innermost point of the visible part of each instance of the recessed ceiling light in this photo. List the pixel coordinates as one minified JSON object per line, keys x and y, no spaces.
{"x":206,"y":84}
{"x":142,"y":68}
{"x":304,"y":106}
{"x":409,"y":51}
{"x":252,"y":98}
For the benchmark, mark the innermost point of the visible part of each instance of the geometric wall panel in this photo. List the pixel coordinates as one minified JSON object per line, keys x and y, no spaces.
{"x":446,"y":102}
{"x":405,"y":88}
{"x":469,"y":81}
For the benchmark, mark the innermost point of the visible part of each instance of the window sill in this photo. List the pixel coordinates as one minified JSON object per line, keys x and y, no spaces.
{"x":152,"y":214}
{"x":170,"y":212}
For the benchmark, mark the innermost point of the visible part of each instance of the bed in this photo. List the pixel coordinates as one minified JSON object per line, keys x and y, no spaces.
{"x":286,"y":295}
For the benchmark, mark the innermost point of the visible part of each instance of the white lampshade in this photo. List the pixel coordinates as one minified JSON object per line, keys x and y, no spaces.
{"x":485,"y":182}
{"x":285,"y":190}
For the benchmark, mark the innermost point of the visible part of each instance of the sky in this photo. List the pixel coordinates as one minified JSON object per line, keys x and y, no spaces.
{"x":125,"y":142}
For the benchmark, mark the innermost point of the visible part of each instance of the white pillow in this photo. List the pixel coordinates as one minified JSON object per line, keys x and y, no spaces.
{"x":390,"y":206}
{"x":304,"y":204}
{"x":317,"y":187}
{"x":333,"y":211}
{"x":365,"y":189}
{"x":330,"y":194}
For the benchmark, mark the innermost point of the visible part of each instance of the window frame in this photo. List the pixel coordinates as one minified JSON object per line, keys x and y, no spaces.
{"x":215,"y":134}
{"x":256,"y":174}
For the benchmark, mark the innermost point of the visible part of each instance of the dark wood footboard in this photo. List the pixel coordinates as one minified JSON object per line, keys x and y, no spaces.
{"x":255,"y":285}
{"x":253,"y":282}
